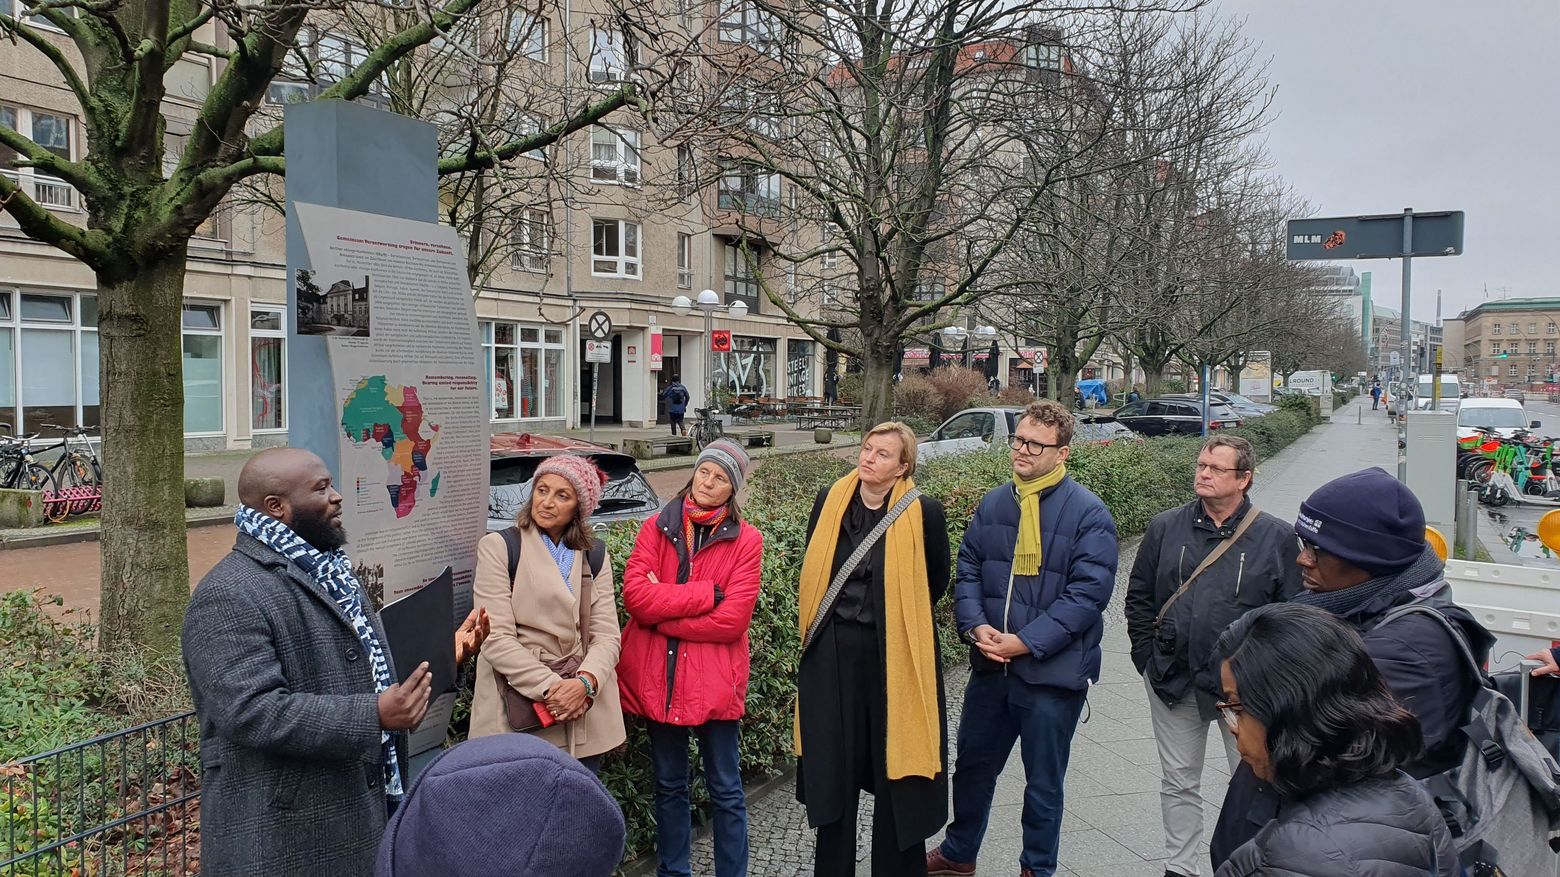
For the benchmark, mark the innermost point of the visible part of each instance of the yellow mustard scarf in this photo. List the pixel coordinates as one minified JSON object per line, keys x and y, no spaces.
{"x":1026,"y":555}
{"x":910,"y":656}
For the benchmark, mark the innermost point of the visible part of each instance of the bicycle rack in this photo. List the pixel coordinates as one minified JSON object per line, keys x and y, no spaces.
{"x":74,"y":500}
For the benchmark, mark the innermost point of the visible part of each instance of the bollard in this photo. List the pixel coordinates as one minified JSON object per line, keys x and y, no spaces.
{"x":1468,"y":515}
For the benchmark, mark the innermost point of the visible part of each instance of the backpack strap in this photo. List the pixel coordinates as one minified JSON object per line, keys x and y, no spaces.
{"x":1451,"y":629}
{"x":596,"y":556}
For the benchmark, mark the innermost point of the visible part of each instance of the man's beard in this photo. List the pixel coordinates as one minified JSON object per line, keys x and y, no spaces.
{"x":317,"y":531}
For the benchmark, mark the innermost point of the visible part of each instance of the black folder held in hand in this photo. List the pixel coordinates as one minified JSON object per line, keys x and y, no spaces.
{"x":421,"y":627}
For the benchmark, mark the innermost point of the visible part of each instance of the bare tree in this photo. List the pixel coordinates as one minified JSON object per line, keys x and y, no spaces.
{"x":141,"y":210}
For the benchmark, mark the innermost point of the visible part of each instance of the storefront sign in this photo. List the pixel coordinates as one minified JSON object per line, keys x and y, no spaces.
{"x":655,"y":348}
{"x":720,"y":341}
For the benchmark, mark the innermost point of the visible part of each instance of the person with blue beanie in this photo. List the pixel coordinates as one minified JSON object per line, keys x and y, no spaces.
{"x":507,"y":804}
{"x":1363,"y":554}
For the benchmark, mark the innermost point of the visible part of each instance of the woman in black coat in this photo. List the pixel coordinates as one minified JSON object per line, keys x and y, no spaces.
{"x":1313,"y":719}
{"x":870,"y":713}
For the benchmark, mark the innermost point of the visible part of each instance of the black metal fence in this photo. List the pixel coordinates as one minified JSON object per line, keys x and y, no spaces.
{"x":123,"y":805}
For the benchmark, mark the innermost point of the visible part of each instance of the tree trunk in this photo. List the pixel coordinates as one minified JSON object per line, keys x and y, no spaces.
{"x":877,"y":385}
{"x":145,"y":572}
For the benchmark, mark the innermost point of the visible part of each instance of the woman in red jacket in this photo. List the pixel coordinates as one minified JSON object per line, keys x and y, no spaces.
{"x":689,"y":588}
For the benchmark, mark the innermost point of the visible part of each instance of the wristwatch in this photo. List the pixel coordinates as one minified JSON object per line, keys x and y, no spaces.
{"x":590,"y":690}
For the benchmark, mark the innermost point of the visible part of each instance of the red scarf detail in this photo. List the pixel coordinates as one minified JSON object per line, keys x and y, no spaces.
{"x":695,"y":515}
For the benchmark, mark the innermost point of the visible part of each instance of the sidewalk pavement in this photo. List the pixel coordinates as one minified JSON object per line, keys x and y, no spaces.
{"x":1111,"y":827}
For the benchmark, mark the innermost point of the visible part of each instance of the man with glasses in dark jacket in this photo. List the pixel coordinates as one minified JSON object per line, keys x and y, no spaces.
{"x":1035,"y":572}
{"x":1173,"y":652}
{"x":1363,"y":553}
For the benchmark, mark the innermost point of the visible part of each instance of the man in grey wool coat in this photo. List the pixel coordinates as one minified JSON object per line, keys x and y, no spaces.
{"x":300,"y":710}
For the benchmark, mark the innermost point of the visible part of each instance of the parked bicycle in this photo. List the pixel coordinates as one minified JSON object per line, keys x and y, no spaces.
{"x":705,"y":429}
{"x":18,"y":469}
{"x":78,"y":464}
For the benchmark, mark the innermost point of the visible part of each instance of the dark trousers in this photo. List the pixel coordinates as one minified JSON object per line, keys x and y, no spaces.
{"x":863,"y":730}
{"x":1375,"y":402}
{"x":719,"y":747}
{"x":999,"y":709}
{"x":677,"y":424}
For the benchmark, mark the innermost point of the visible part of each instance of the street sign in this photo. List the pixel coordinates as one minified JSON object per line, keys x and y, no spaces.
{"x":598,"y":351}
{"x":1394,"y":358}
{"x":1375,"y":237}
{"x":720,"y":341}
{"x":600,"y":326}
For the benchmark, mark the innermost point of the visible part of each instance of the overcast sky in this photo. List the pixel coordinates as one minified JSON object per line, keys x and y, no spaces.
{"x":1429,"y":104}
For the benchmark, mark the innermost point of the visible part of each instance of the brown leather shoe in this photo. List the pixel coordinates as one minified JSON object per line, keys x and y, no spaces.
{"x":938,"y":866}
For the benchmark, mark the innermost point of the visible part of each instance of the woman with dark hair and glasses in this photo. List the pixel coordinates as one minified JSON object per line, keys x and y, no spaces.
{"x":1313,"y":719}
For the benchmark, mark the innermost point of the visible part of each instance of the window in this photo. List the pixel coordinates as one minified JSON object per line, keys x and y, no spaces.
{"x":48,"y":359}
{"x":687,"y":173}
{"x":316,"y":64}
{"x":527,"y":125}
{"x":1532,"y":347}
{"x":971,"y":424}
{"x":524,"y":372}
{"x":750,"y":367}
{"x":34,"y":19}
{"x":267,"y":368}
{"x":50,"y":131}
{"x":1043,"y":56}
{"x":614,"y":248}
{"x":1494,"y":371}
{"x":1549,"y":348}
{"x":614,"y":156}
{"x":1512,"y":347}
{"x":831,"y":258}
{"x":202,"y":368}
{"x":1495,"y":348}
{"x":609,"y":55}
{"x":742,"y":266}
{"x":749,"y":188}
{"x":529,"y":241}
{"x":747,"y":103}
{"x":1495,"y":329}
{"x":1532,"y":328}
{"x":1512,"y":371}
{"x":743,"y":22}
{"x":798,"y":368}
{"x":1514,"y":328}
{"x":528,"y":36}
{"x":1550,"y":329}
{"x":684,"y":261}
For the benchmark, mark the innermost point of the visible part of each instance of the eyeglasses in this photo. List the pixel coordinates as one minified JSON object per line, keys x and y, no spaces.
{"x":1029,"y":447}
{"x":1307,"y":546}
{"x":1230,"y":711}
{"x":1219,"y":470}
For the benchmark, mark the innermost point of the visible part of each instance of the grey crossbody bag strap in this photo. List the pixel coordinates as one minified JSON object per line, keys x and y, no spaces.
{"x":832,"y":595}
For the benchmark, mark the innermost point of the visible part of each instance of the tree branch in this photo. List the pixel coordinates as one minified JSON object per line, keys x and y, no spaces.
{"x":41,"y":225}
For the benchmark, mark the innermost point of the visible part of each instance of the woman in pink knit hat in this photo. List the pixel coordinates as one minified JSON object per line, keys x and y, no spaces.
{"x":549,"y":665}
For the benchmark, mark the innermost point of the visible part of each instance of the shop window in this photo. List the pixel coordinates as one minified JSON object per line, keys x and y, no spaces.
{"x":202,"y":369}
{"x":267,"y":369}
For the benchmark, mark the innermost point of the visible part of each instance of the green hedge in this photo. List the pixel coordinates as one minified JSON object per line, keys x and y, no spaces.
{"x":1136,"y":479}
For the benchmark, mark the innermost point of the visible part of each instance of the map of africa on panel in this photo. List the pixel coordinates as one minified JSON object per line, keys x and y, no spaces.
{"x":391,"y":417}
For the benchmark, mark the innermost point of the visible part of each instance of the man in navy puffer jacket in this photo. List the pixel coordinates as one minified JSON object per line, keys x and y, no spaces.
{"x":1035,"y":573}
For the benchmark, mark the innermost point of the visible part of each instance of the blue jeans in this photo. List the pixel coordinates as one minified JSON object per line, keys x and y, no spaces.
{"x":718,"y":744}
{"x":999,"y":709}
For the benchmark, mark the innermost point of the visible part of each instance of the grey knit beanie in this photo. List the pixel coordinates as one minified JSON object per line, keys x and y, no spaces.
{"x":729,"y":456}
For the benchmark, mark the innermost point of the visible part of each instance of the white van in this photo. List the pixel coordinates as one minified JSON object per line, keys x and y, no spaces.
{"x":1451,"y":392}
{"x":1505,"y":416}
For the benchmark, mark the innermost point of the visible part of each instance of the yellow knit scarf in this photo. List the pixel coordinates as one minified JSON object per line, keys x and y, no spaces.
{"x":1026,"y":556}
{"x":910,"y":657}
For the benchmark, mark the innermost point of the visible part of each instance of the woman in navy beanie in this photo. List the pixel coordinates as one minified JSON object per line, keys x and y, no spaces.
{"x":509,"y":804}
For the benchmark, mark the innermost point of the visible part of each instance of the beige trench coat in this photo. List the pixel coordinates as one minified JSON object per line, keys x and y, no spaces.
{"x":538,"y":623}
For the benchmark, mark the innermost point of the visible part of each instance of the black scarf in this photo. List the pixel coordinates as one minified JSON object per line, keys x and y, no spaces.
{"x":1379,"y":590}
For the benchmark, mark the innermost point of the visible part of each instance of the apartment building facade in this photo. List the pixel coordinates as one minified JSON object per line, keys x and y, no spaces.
{"x":1510,"y":343}
{"x":616,"y":225}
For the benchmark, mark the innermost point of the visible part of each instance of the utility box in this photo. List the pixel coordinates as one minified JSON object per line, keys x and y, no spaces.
{"x":1432,"y":465}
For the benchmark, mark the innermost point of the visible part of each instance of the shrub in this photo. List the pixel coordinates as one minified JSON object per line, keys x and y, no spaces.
{"x":1015,"y":396}
{"x":958,"y":387}
{"x":851,"y":387}
{"x":916,"y":397}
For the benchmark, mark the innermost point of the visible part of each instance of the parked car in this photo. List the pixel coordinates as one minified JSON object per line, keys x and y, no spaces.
{"x":979,"y":429}
{"x":1173,"y":416}
{"x":1246,"y":408}
{"x":1517,"y":395}
{"x":1505,"y":416}
{"x":515,"y":456}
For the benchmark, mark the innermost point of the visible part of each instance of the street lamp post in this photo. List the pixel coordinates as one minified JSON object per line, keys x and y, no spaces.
{"x":965,"y":334}
{"x":709,"y":303}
